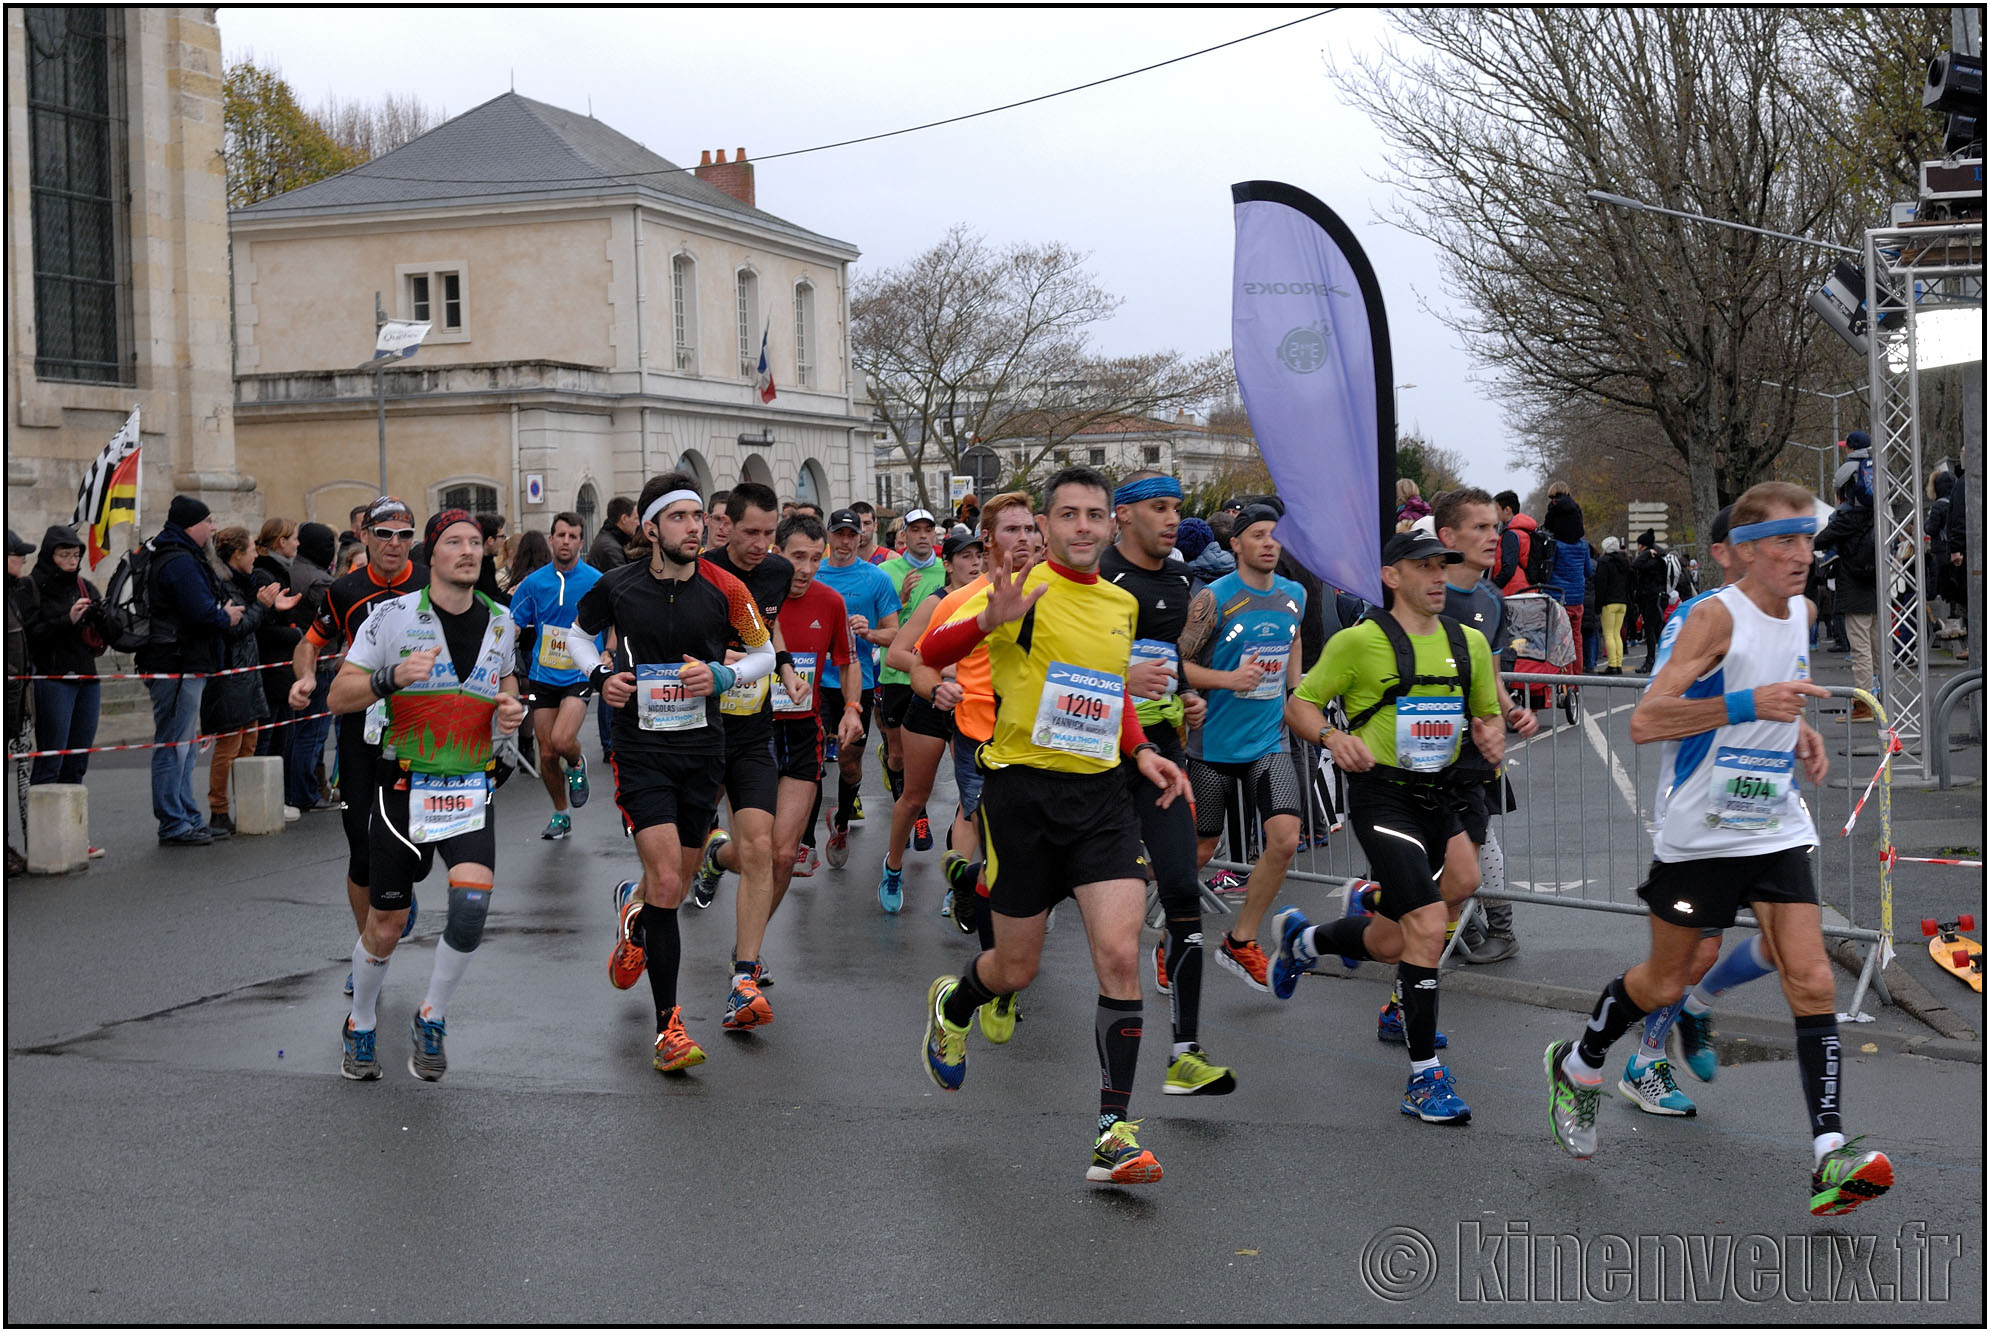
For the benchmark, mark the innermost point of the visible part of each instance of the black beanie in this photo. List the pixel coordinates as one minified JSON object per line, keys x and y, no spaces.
{"x":186,"y":511}
{"x":1649,"y":537}
{"x":317,"y":543}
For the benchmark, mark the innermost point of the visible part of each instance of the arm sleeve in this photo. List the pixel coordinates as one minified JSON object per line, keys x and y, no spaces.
{"x":758,"y":663}
{"x":1131,"y":736}
{"x":586,"y":655}
{"x":952,"y":641}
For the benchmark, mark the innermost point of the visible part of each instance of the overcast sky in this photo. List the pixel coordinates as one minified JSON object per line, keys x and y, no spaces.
{"x":1136,"y":172}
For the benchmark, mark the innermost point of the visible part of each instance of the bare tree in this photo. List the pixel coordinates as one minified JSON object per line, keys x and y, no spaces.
{"x":1499,"y":121}
{"x":967,"y":345}
{"x":371,"y":129}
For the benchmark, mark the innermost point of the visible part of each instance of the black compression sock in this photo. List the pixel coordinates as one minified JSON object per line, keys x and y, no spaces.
{"x":966,"y":996}
{"x":1612,"y":1017}
{"x":846,"y":800}
{"x":1818,"y":1066}
{"x":1419,"y":986}
{"x":1344,"y":936}
{"x":984,"y":925}
{"x":1184,"y":945}
{"x":814,"y":816}
{"x":1118,"y":1029}
{"x":661,"y":953}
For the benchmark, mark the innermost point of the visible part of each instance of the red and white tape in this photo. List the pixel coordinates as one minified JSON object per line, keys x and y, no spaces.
{"x":1892,"y":748}
{"x":171,"y":675}
{"x":159,"y":744}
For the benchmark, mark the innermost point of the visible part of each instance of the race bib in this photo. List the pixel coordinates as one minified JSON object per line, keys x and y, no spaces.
{"x":553,"y":654}
{"x":661,"y":704}
{"x":1751,"y":789}
{"x":1273,"y":684}
{"x":787,"y":707}
{"x":744,"y":699}
{"x":1154,"y":649}
{"x":376,"y":721}
{"x":443,"y":807}
{"x":1427,"y":732}
{"x":1079,"y":711}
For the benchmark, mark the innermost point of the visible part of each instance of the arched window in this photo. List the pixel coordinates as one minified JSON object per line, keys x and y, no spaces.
{"x":694,"y":462}
{"x":755,"y":468}
{"x":684,"y":310}
{"x":749,"y":322}
{"x":587,"y":504}
{"x":473,"y":496}
{"x":805,"y":334}
{"x":810,"y":486}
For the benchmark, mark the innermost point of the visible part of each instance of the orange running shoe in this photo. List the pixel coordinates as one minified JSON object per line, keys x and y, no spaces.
{"x":746,"y":1007}
{"x":1247,"y":960}
{"x":625,"y":964}
{"x":675,"y":1050}
{"x":1161,"y":982}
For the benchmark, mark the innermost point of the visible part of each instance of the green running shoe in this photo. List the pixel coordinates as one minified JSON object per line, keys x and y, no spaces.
{"x":1118,"y":1159}
{"x":1847,"y":1177}
{"x":945,"y":1044}
{"x":1191,"y":1074}
{"x":706,"y":886}
{"x":999,"y":1017}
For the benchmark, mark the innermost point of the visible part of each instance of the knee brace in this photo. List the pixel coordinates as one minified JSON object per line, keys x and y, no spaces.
{"x":469,"y":903}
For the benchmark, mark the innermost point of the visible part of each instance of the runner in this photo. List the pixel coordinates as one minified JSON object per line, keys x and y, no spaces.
{"x":1056,"y":815}
{"x":1408,"y":678}
{"x":1238,"y":647}
{"x":542,"y":606}
{"x":1726,"y":701}
{"x":872,"y":602}
{"x":442,"y":661}
{"x":673,"y":617}
{"x":387,"y":530}
{"x":926,"y":721}
{"x":868,"y":549}
{"x":1148,"y":508}
{"x":916,"y":575}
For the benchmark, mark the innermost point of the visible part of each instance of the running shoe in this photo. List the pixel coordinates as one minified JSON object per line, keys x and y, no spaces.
{"x":963,"y":903}
{"x":705,"y":885}
{"x":1225,"y":881}
{"x":414,"y":909}
{"x":922,"y":834}
{"x":1433,"y":1097}
{"x":1651,"y":1089}
{"x":857,"y":810}
{"x":999,"y":1017}
{"x":946,"y":1044}
{"x":622,"y":893}
{"x":1571,"y":1106}
{"x":1696,"y":1044}
{"x":625,"y":964}
{"x":348,"y":984}
{"x":761,"y":976}
{"x":891,"y":889}
{"x":577,"y":783}
{"x":1191,"y":1074}
{"x":357,"y":1062}
{"x":1389,"y":1027}
{"x":837,"y":853}
{"x":1293,"y":957}
{"x":1118,"y":1159}
{"x":1246,"y":960}
{"x":559,"y":829}
{"x":805,"y":862}
{"x":1362,"y":896}
{"x":675,"y":1050}
{"x":426,"y":1061}
{"x":746,"y":1007}
{"x":1847,"y":1177}
{"x":1161,"y":982}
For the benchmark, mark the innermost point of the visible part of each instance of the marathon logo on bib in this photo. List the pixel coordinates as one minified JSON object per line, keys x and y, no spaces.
{"x":1750,"y":788}
{"x":661,"y":703}
{"x":1079,"y":711}
{"x":440,"y":808}
{"x":785,"y":706}
{"x":1427,"y":731}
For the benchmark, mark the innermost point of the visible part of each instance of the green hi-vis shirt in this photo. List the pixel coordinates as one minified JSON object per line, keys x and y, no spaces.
{"x":900,"y":570}
{"x":1358,"y":666}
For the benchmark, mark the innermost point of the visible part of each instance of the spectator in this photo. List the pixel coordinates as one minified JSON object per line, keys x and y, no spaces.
{"x":611,"y":544}
{"x":534,"y":553}
{"x":717,"y":526}
{"x":18,"y":664}
{"x":1850,"y":533}
{"x":1945,"y":543}
{"x":1648,"y":588}
{"x":1573,"y":561}
{"x":232,"y":705}
{"x":492,"y":526}
{"x":188,"y":615}
{"x":1410,"y":503}
{"x":1613,"y":601}
{"x":310,"y":575}
{"x":276,"y":640}
{"x":1516,"y":541}
{"x":1192,"y":538}
{"x":63,"y":639}
{"x":351,"y":555}
{"x":1215,"y":560}
{"x":1592,"y":620}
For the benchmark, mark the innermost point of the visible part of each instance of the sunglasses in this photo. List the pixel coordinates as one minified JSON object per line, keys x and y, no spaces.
{"x":393,"y":534}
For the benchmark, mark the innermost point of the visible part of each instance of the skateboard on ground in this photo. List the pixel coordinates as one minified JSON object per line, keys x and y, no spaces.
{"x":1955,"y":952}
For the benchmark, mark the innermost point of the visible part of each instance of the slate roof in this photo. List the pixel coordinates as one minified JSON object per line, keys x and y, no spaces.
{"x":512,"y":148}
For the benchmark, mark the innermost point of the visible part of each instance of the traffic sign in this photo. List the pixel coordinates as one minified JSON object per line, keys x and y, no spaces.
{"x":1649,"y":514}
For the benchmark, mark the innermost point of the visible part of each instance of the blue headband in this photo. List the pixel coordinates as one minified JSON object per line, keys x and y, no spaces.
{"x":1152,"y":487}
{"x":1776,"y":527}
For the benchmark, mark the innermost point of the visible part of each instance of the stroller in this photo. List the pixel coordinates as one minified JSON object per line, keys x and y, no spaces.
{"x":1538,"y":635}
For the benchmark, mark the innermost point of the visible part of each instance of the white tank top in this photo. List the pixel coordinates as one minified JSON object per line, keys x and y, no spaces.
{"x":1732,"y":791}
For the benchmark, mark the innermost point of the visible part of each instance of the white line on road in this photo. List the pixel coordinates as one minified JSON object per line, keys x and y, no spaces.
{"x":1618,"y":776}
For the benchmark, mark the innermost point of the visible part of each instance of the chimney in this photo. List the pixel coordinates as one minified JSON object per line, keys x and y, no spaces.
{"x":734,"y":177}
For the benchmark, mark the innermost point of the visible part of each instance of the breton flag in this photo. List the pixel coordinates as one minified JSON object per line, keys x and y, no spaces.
{"x":763,"y":378}
{"x":1311,"y":342}
{"x":109,"y":493}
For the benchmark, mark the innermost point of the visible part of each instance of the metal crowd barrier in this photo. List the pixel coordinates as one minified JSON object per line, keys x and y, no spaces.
{"x":1551,"y":847}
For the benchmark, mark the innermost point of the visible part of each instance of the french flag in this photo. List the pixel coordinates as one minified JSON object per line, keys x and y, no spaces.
{"x":763,"y":379}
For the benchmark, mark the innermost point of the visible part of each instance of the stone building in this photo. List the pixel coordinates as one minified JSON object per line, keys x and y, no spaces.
{"x":597,"y":315}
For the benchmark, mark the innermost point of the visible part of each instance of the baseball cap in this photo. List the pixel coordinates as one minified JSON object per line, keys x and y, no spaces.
{"x":957,"y":542}
{"x":846,"y":518}
{"x":386,"y":507}
{"x":16,"y":546}
{"x":1417,"y":546}
{"x":920,"y":516}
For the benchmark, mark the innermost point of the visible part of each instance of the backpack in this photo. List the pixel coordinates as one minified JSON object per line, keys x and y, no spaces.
{"x":126,"y":609}
{"x":1406,"y":676}
{"x":1539,"y":562}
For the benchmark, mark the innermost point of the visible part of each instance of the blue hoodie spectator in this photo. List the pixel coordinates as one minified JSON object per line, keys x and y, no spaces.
{"x":188,"y":616}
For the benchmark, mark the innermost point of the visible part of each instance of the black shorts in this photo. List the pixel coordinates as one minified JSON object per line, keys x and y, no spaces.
{"x":1404,"y":830}
{"x":654,"y":788}
{"x":1272,"y":783}
{"x":798,"y":749}
{"x":751,"y":779}
{"x":1480,"y":802}
{"x":893,"y":700}
{"x":1045,"y":833}
{"x":830,"y":707}
{"x":1706,"y":894}
{"x":356,"y":763}
{"x":539,"y":694}
{"x":922,"y":718}
{"x":399,"y":862}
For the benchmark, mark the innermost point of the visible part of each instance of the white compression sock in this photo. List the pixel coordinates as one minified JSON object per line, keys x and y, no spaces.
{"x":369,"y":973}
{"x":449,"y":967}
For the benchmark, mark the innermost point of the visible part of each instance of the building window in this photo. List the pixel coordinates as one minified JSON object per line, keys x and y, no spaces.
{"x":884,"y":490}
{"x":1096,"y":457}
{"x":1151,"y":454}
{"x":1062,"y":457}
{"x":684,"y":310}
{"x":434,"y":295}
{"x":804,"y":335}
{"x":82,"y":284}
{"x":470,"y":496}
{"x":748,"y":303}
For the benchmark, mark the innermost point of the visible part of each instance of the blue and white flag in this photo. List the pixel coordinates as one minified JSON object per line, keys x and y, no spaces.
{"x":1311,"y":342}
{"x":399,"y":337}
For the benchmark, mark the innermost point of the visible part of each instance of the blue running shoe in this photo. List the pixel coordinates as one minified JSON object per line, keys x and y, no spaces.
{"x":414,"y":909}
{"x":348,"y":984}
{"x":1433,"y":1097}
{"x":1696,"y":1044}
{"x":1362,"y":896}
{"x":1293,"y":957}
{"x":891,"y":889}
{"x":945,"y":1044}
{"x":1651,"y":1089}
{"x":1389,"y":1027}
{"x":577,"y":783}
{"x":558,"y":829}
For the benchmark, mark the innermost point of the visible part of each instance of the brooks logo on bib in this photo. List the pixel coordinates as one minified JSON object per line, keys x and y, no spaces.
{"x":1272,"y":684}
{"x":443,"y":807}
{"x":661,"y":704}
{"x":1153,"y":649}
{"x":1427,"y":731}
{"x":1079,"y":711}
{"x":1750,"y":789}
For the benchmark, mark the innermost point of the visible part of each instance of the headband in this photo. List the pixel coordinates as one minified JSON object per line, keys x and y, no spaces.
{"x":669,"y":498}
{"x":1152,"y":487}
{"x":1253,"y":514}
{"x":1804,"y":526}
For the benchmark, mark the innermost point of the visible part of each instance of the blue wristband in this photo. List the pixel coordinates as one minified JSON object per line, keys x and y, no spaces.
{"x":722,"y":678}
{"x":1740,"y":706}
